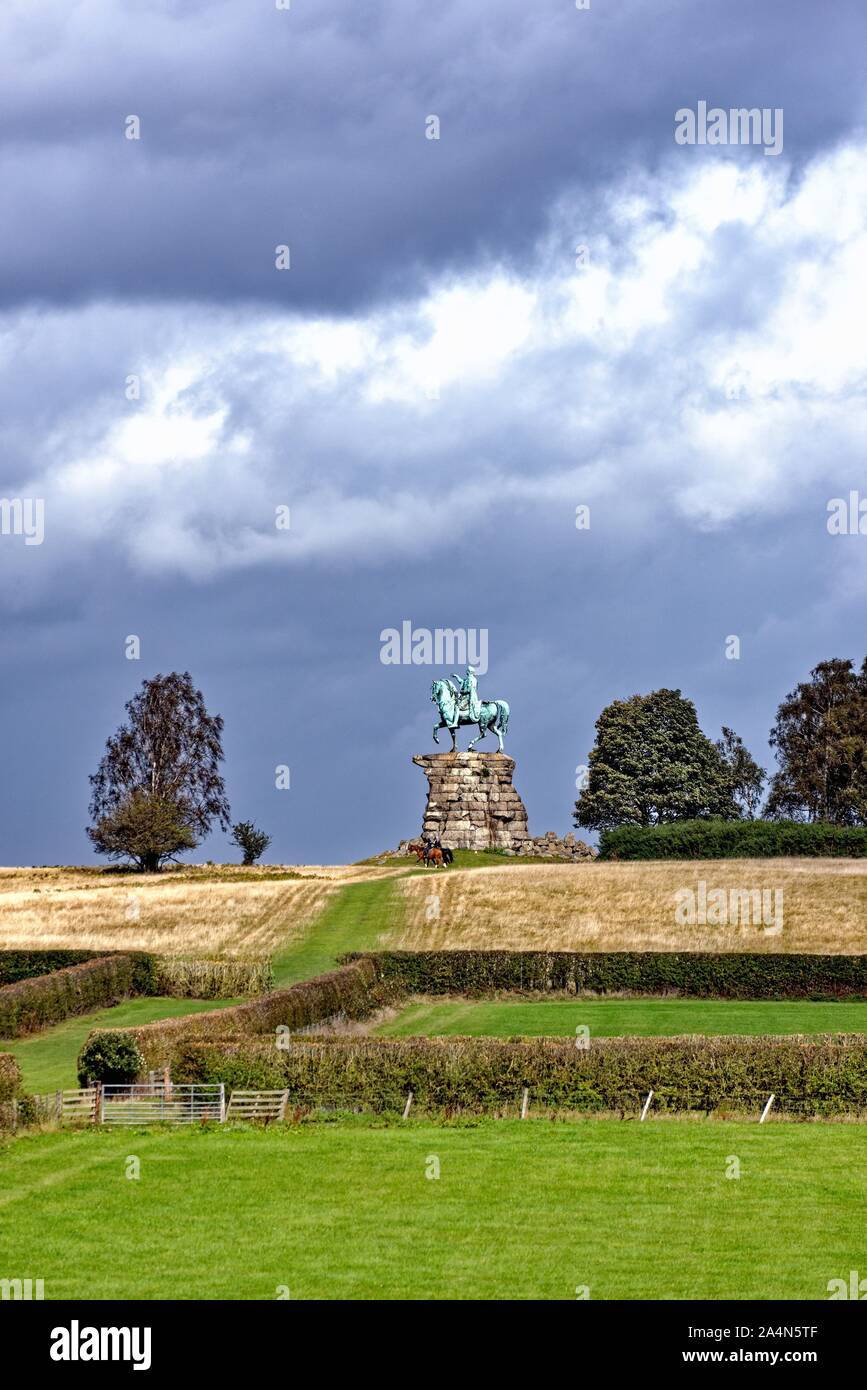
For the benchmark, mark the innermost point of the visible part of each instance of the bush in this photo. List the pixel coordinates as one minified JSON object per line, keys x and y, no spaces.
{"x":693,"y":974}
{"x":211,"y":979}
{"x":43,"y":1000}
{"x":10,"y":1089}
{"x":740,"y":839}
{"x":110,"y":1057}
{"x":10,"y":1077}
{"x":252,"y":842}
{"x":23,"y":965}
{"x":808,"y":1076}
{"x":354,"y":991}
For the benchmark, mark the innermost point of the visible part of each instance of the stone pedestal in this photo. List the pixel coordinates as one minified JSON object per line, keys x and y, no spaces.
{"x":471,"y":802}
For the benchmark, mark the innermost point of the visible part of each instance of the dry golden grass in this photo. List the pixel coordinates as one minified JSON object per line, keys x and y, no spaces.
{"x":190,"y":913}
{"x":622,"y":907}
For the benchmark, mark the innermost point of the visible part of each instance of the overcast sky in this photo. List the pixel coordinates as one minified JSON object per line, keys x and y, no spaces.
{"x":437,"y":381}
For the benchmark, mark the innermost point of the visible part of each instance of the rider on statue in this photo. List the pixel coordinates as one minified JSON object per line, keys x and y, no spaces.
{"x":460,"y":704}
{"x":467,"y":702}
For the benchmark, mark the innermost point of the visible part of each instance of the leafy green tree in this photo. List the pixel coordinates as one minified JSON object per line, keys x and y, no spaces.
{"x":158,"y":787}
{"x":251,"y":841}
{"x":820,"y":738}
{"x":747,"y":778}
{"x":146,"y":829}
{"x":651,"y":764}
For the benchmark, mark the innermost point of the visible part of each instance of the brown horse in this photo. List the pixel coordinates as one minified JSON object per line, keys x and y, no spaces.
{"x":434,"y":856}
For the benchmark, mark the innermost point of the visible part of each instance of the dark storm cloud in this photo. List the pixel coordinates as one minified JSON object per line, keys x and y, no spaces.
{"x":306,"y":127}
{"x":699,"y":384}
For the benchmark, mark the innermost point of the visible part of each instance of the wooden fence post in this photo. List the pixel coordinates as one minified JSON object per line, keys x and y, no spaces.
{"x":406,"y":1107}
{"x":525,"y":1103}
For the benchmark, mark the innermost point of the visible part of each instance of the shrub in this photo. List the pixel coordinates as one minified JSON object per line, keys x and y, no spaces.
{"x":740,"y":839}
{"x":22,"y":965}
{"x":354,"y":991}
{"x":693,"y":974}
{"x":808,"y":1076}
{"x":111,"y":1057}
{"x":42,"y":1000}
{"x":211,"y":979}
{"x":10,"y":1088}
{"x":10,"y":1077}
{"x":252,"y":842}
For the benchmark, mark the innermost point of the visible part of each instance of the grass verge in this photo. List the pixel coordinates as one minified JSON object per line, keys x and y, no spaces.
{"x":360,"y":917}
{"x":519,"y":1210}
{"x":611,"y":1018}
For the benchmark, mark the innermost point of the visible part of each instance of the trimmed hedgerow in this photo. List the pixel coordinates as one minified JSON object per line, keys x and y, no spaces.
{"x":738,"y":839}
{"x":352,"y":992}
{"x":43,"y":1000}
{"x":692,"y":974}
{"x":808,"y":1076}
{"x":23,"y":965}
{"x":211,"y":979}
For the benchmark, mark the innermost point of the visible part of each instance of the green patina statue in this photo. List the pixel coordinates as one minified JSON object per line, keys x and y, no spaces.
{"x":460,"y":704}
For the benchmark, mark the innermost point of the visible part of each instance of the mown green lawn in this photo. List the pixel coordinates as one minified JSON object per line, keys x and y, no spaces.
{"x":521,"y":1210}
{"x":48,"y":1060}
{"x":606,"y":1018}
{"x":361,"y":917}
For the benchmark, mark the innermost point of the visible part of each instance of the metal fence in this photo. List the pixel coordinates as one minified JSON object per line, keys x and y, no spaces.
{"x":161,"y":1105}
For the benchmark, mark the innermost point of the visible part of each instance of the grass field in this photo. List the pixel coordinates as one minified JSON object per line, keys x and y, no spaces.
{"x":48,"y":1059}
{"x":609,"y":1018}
{"x":521,"y":1210}
{"x":360,"y":917}
{"x":619,"y":907}
{"x":305,"y":916}
{"x":221,"y":911}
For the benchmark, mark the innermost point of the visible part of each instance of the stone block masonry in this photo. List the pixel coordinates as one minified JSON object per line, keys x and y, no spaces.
{"x":471,"y":802}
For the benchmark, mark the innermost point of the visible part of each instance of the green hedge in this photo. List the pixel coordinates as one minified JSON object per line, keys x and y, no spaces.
{"x":353,"y":992}
{"x":22,"y":965}
{"x":693,"y":974}
{"x":43,"y":1000}
{"x":808,"y":1076}
{"x":737,"y":839}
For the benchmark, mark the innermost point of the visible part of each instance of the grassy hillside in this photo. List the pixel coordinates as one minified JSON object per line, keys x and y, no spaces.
{"x":521,"y":1210}
{"x":610,"y":1018}
{"x":619,"y":907}
{"x":208,"y":912}
{"x":48,"y":1059}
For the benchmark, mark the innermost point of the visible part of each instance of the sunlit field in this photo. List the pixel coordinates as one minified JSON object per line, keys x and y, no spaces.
{"x":631,"y":906}
{"x":509,"y":1209}
{"x":219,"y":912}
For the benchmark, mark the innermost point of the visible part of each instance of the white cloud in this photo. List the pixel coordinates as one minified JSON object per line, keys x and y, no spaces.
{"x":620,"y":380}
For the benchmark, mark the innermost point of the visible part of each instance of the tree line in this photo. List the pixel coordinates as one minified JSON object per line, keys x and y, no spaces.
{"x":651,"y":763}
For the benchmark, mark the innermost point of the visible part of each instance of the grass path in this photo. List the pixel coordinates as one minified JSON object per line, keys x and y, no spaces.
{"x":520,"y":1210}
{"x":363,"y":916}
{"x":47,"y":1060}
{"x":607,"y":1018}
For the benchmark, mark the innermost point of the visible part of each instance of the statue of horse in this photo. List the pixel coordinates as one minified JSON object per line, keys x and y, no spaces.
{"x":493,"y":714}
